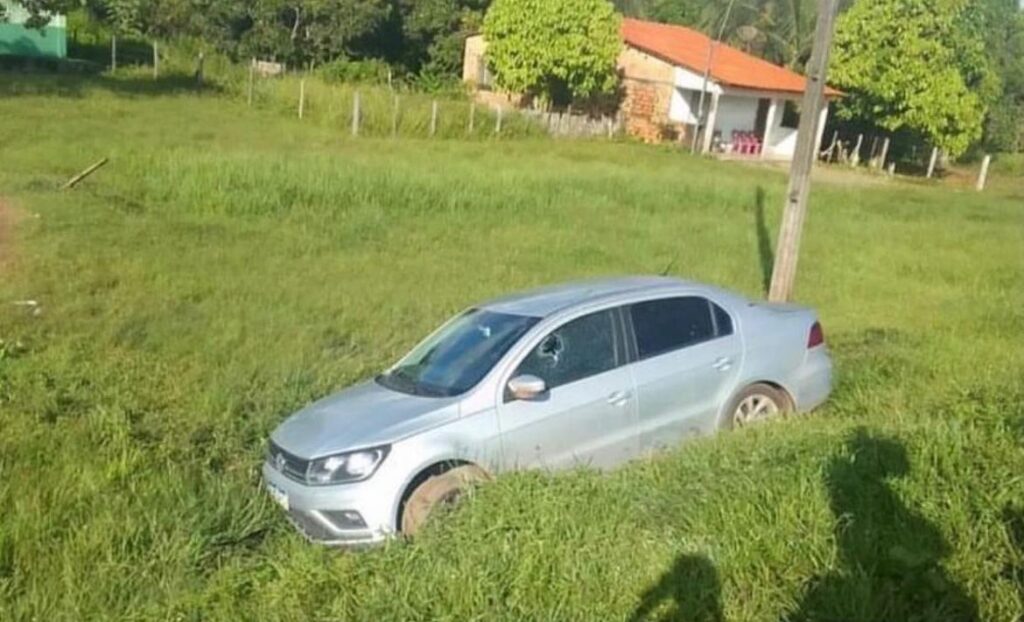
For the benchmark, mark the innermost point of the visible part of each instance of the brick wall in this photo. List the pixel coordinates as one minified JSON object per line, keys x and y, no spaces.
{"x":647,"y":84}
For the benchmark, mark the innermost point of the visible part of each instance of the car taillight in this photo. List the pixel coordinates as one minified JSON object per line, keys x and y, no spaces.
{"x":817,"y":336}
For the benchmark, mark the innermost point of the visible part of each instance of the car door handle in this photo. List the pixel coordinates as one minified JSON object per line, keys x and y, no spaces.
{"x":722,"y":363}
{"x":619,"y":398}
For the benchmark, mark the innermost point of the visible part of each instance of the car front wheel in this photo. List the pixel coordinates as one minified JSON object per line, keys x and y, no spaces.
{"x":440,"y":491}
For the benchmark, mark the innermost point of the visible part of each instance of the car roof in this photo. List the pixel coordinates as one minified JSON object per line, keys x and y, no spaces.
{"x":545,"y":301}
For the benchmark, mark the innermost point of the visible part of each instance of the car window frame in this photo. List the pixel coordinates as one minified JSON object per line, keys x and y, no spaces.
{"x":712,"y":305}
{"x":621,"y":344}
{"x":630,"y":329}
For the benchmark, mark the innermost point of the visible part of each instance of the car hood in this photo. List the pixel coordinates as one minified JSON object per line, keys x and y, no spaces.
{"x":364,"y":415}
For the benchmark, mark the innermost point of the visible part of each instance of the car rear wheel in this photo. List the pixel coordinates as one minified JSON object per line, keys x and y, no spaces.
{"x":437,"y":492}
{"x":757,"y":403}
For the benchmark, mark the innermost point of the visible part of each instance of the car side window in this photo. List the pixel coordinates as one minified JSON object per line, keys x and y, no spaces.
{"x":723,"y":323}
{"x":576,"y":350}
{"x":668,"y":324}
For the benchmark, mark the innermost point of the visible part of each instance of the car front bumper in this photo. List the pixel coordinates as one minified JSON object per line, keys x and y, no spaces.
{"x":305,"y":507}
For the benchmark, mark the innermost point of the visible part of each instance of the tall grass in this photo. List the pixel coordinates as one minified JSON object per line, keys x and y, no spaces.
{"x":330,"y":104}
{"x":231,"y":264}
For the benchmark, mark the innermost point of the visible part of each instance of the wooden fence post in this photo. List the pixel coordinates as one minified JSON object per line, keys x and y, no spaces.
{"x":855,"y":154}
{"x":931,"y":162}
{"x":497,"y":121}
{"x":433,"y":118}
{"x":884,"y":154}
{"x":983,"y":175}
{"x":394,"y":119}
{"x":302,"y":97}
{"x":252,"y":80}
{"x":830,"y":152}
{"x":472,"y":117}
{"x":113,"y":53}
{"x":156,"y":61}
{"x":199,"y":69}
{"x":356,"y":113}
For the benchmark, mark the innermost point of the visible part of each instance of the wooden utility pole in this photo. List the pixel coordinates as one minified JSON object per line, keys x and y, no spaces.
{"x":788,"y":247}
{"x":702,"y":124}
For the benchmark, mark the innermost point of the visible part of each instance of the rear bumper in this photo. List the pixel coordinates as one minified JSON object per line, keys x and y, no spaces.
{"x":305,"y":506}
{"x":813,"y":382}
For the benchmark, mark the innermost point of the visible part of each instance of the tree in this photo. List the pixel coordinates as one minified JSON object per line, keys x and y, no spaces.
{"x":433,"y":33}
{"x":1004,"y":128}
{"x":557,"y":50}
{"x":915,"y":64}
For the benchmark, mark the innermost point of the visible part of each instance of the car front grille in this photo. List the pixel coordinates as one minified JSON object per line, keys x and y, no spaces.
{"x":287,"y":463}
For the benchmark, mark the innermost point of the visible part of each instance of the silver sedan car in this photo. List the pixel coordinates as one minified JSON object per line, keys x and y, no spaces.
{"x":590,"y":373}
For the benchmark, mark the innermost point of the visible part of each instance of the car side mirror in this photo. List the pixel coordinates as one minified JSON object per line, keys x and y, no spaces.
{"x":527,"y":387}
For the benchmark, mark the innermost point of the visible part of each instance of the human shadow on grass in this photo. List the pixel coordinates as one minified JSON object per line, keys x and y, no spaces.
{"x":1013,"y":519}
{"x":890,"y":556}
{"x":764,"y":242}
{"x":688,"y":592}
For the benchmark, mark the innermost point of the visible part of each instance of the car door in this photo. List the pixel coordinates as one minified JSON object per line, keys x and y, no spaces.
{"x":587,"y":415}
{"x":687,"y":361}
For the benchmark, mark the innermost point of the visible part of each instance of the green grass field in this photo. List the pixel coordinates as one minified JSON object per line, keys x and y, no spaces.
{"x":229,"y":265}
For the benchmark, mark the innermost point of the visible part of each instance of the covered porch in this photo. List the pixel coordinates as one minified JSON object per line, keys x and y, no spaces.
{"x":739,"y":122}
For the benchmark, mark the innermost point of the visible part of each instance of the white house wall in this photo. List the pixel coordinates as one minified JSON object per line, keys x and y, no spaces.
{"x":686,"y":79}
{"x":782,"y":143}
{"x":681,"y":108}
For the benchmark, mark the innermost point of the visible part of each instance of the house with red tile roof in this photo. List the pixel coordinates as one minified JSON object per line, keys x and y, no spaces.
{"x":673,"y":76}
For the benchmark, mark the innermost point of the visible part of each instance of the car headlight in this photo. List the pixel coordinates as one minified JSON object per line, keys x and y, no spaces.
{"x":353,"y":466}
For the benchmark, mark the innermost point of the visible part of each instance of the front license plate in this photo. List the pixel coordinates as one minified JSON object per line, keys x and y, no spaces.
{"x":279,"y":495}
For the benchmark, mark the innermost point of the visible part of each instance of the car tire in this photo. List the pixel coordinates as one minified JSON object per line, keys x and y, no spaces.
{"x":438,"y":491}
{"x":754,"y":404}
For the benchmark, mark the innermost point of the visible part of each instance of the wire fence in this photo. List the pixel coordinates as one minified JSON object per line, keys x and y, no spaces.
{"x":394,"y":109}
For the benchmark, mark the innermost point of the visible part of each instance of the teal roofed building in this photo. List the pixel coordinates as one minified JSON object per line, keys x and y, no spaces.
{"x":50,"y":41}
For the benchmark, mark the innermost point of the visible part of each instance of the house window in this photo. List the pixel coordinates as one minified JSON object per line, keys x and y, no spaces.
{"x":790,"y":115}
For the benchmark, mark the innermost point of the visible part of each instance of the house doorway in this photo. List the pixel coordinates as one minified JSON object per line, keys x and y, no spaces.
{"x":761,"y":118}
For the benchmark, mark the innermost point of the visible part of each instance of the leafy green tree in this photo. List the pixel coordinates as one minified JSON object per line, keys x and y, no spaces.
{"x":304,"y":31}
{"x":557,"y":50}
{"x":917,"y":65}
{"x":1004,"y":24}
{"x":433,"y":33}
{"x":684,"y":12}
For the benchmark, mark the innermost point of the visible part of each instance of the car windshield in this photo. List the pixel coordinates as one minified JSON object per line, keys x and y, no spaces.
{"x":458,"y":355}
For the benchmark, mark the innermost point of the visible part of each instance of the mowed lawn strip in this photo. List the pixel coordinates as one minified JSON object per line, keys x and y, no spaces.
{"x":229,"y":265}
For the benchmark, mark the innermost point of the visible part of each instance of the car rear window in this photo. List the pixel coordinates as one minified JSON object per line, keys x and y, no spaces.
{"x":668,"y":324}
